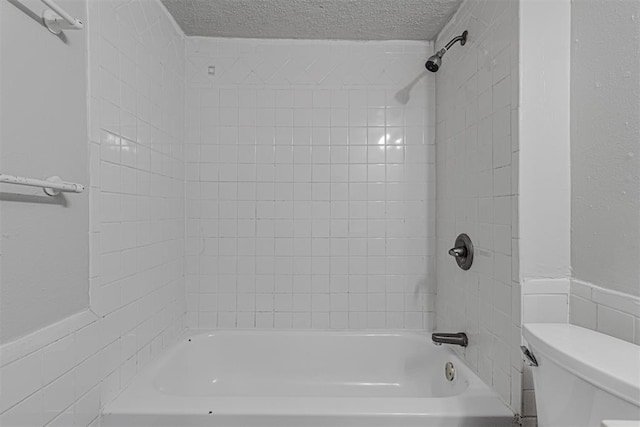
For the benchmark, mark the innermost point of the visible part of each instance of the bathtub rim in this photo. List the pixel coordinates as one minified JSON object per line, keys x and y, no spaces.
{"x":140,"y":396}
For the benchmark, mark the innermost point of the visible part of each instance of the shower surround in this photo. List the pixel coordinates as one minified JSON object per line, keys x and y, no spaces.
{"x":309,"y":199}
{"x":310,"y":184}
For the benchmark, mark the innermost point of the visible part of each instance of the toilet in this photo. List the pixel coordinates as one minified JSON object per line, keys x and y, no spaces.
{"x":582,"y":377}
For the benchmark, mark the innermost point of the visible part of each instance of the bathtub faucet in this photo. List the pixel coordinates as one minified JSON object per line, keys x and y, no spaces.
{"x":459,"y":338}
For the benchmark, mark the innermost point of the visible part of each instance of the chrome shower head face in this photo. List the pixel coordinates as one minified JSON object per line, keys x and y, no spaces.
{"x":433,"y":63}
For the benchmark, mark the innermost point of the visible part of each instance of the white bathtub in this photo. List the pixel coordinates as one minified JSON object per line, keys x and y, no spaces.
{"x":290,"y":378}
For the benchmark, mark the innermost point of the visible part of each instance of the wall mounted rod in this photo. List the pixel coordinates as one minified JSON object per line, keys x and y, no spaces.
{"x":52,"y":186}
{"x":53,"y":19}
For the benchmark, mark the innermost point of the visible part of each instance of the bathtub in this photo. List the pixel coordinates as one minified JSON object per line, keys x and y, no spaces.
{"x":291,"y":378}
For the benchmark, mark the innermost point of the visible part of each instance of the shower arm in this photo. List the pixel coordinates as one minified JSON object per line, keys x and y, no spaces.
{"x":461,"y":38}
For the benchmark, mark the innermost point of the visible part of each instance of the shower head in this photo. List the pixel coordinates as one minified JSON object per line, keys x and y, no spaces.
{"x":435,"y":61}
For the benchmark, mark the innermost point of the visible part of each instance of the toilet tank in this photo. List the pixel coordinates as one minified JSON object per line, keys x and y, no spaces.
{"x":583,"y":376}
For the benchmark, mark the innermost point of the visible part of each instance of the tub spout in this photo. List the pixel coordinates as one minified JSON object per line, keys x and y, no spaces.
{"x":459,"y":338}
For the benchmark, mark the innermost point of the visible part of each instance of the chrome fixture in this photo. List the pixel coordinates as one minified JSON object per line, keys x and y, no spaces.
{"x":530,"y":359}
{"x":463,"y":251}
{"x":449,"y":371}
{"x":459,"y":338}
{"x":434,"y":61}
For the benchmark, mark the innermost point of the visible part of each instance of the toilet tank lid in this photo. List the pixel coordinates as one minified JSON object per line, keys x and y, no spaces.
{"x":607,"y":362}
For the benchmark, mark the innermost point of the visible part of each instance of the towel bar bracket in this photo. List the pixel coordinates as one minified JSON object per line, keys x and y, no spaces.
{"x":57,"y":19}
{"x":56,"y":24}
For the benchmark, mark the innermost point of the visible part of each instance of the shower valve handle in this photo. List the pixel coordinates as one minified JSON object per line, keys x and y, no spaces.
{"x":458,"y":252}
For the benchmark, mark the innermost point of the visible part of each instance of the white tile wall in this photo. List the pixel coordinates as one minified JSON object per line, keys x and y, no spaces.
{"x":545,"y":309}
{"x":310,"y":198}
{"x":477,"y":190}
{"x":64,"y":375}
{"x":603,"y":310}
{"x":310,"y":185}
{"x":545,"y":300}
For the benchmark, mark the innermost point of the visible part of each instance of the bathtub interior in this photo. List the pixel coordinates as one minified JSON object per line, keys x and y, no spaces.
{"x":250,"y":363}
{"x":312,"y":378}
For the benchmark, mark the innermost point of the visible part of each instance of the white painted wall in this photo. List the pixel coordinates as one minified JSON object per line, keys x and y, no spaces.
{"x":605,"y":144}
{"x":477,"y":190}
{"x":605,"y":167}
{"x":63,"y":374}
{"x":43,"y":132}
{"x":544,"y":206}
{"x":310,"y":185}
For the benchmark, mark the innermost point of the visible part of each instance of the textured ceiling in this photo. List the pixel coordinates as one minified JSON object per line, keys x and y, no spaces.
{"x":313,"y":19}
